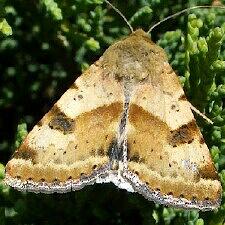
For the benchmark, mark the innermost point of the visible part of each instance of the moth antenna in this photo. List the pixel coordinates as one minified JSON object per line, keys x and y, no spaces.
{"x":201,"y":114}
{"x":121,"y":14}
{"x":182,"y":12}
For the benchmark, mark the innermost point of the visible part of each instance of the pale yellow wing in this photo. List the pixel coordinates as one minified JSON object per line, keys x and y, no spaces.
{"x":166,"y":149}
{"x":67,"y":148}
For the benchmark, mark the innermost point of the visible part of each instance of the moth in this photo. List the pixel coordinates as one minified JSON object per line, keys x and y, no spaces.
{"x":125,"y":120}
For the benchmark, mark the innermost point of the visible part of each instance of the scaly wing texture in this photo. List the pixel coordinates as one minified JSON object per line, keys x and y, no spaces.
{"x":166,"y":148}
{"x":72,"y":139}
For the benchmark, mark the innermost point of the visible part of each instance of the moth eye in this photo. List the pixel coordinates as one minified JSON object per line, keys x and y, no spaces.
{"x":42,"y":180}
{"x":181,"y":196}
{"x":70,"y":178}
{"x":170,"y":193}
{"x":30,"y":178}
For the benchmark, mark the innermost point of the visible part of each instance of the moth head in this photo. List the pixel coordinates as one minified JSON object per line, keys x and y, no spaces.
{"x":135,"y":58}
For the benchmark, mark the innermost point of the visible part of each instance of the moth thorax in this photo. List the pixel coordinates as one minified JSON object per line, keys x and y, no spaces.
{"x":126,"y":68}
{"x":135,"y":58}
{"x":131,"y":70}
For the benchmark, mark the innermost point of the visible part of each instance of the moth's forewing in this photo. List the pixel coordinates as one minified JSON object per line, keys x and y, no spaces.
{"x":72,"y":140}
{"x":166,"y":148}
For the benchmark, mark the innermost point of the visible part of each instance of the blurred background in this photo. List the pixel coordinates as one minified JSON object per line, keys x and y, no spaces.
{"x":45,"y":45}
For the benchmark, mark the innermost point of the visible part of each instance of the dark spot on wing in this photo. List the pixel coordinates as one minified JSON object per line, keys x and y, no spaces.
{"x":94,"y":167}
{"x":208,"y":171}
{"x":25,"y":152}
{"x":182,"y":98}
{"x":201,"y":141}
{"x":111,"y":149}
{"x":60,"y":121}
{"x":135,"y":157}
{"x":190,"y":141}
{"x":80,"y":97}
{"x":74,"y":86}
{"x":184,"y":134}
{"x":100,"y":152}
{"x":115,"y":152}
{"x":92,"y":152}
{"x":40,"y":123}
{"x":173,"y":107}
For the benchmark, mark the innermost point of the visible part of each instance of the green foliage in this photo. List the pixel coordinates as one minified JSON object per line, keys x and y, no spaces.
{"x":144,"y":13}
{"x":5,"y":28}
{"x":53,"y":9}
{"x":51,"y":41}
{"x":20,"y":134}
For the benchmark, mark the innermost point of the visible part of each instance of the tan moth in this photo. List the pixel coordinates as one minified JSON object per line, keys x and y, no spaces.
{"x":125,"y":120}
